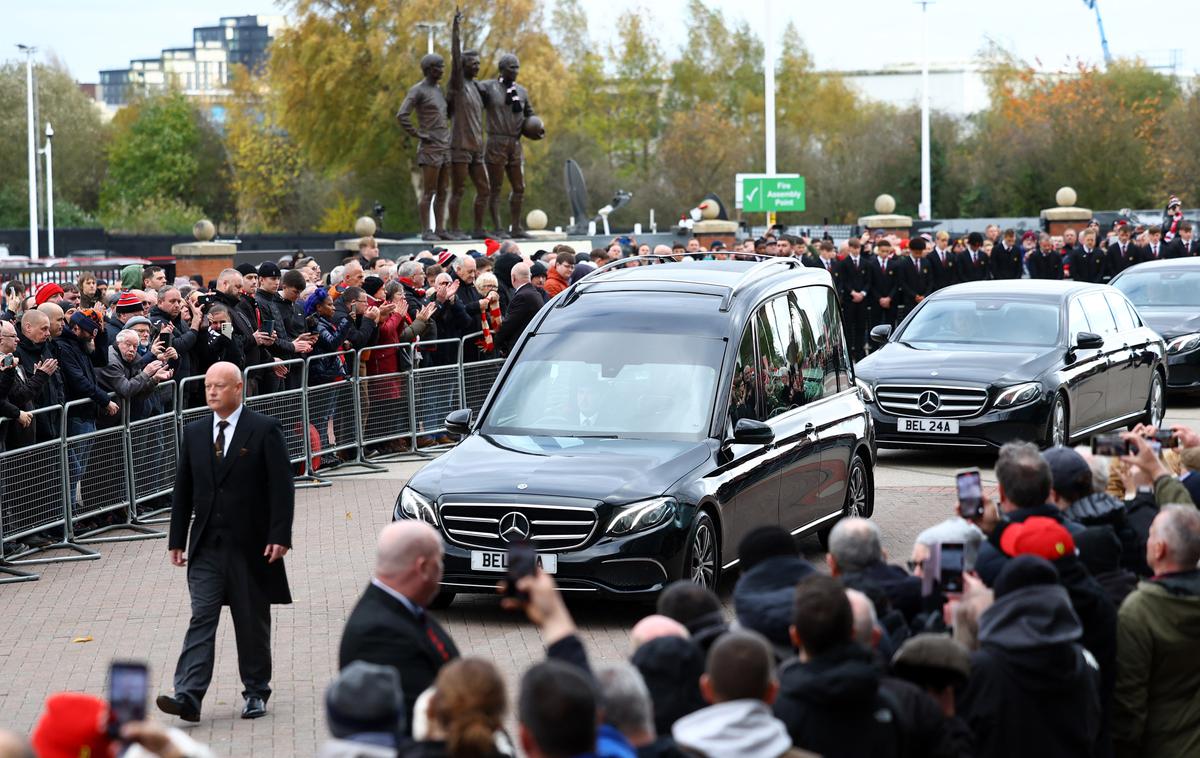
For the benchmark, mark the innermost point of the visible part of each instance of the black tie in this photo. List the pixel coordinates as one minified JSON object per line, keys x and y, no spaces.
{"x":219,"y":445}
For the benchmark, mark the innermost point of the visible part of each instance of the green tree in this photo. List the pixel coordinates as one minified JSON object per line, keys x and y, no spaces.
{"x":164,"y":149}
{"x":79,"y":141}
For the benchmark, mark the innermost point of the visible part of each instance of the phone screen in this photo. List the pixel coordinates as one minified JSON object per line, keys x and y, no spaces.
{"x":950,"y":566}
{"x":128,"y":691}
{"x":970,"y":493}
{"x":521,"y":562}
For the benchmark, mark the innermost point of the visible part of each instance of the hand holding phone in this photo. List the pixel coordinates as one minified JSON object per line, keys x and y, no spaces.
{"x":521,"y":561}
{"x":128,"y":691}
{"x":970,"y":493}
{"x":950,"y":566}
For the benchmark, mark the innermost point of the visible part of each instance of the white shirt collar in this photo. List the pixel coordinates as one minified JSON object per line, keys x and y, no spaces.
{"x":412,"y":607}
{"x":233,"y":422}
{"x":232,"y":419}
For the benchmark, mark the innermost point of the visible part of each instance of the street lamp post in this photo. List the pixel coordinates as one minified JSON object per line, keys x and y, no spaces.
{"x":48,"y":151}
{"x":429,"y":27}
{"x":769,"y":82}
{"x":33,"y":209}
{"x":926,"y":208}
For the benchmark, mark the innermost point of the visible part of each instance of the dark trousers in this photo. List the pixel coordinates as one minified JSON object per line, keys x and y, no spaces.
{"x":218,"y":575}
{"x":854,"y":321}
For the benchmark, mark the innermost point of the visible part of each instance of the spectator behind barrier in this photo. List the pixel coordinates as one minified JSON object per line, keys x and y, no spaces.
{"x":771,"y":566}
{"x":1158,"y":633}
{"x":856,"y":551}
{"x":697,"y":608}
{"x":740,"y":685}
{"x":1031,"y":670}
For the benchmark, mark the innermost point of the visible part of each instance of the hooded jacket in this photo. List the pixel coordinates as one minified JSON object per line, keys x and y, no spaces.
{"x":1102,"y":509}
{"x":762,"y":597}
{"x":1032,"y":690}
{"x":731,"y":730}
{"x":671,"y":668}
{"x":133,"y":386}
{"x":832,"y":705}
{"x":1157,"y":706}
{"x":78,"y":368}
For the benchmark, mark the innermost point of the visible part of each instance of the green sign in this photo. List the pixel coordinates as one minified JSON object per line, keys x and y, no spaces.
{"x":773,"y":194}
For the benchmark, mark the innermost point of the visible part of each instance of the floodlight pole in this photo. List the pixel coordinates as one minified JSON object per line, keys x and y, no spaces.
{"x":33,"y":209}
{"x":925,"y":211}
{"x":48,"y":151}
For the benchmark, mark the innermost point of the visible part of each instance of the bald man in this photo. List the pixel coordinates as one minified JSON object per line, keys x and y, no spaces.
{"x":35,"y":351}
{"x":234,"y":477}
{"x":57,"y":318}
{"x":390,"y":626}
{"x":524,"y":304}
{"x":654,"y":626}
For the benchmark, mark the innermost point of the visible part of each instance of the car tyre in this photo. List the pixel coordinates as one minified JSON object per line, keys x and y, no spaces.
{"x":443,"y":600}
{"x":1156,"y":402}
{"x":702,"y":564}
{"x":1058,"y":429}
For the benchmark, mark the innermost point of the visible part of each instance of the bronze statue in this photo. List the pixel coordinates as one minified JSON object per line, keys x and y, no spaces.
{"x":508,"y":109}
{"x":433,"y":134}
{"x":466,"y":133}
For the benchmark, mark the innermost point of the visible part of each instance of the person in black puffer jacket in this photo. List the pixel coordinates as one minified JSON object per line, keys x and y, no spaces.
{"x":1073,"y":491}
{"x":331,"y":338}
{"x":762,"y":598}
{"x":831,"y":699}
{"x":671,"y":668}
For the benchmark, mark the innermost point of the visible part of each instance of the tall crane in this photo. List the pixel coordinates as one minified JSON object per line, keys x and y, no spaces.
{"x":1095,"y":6}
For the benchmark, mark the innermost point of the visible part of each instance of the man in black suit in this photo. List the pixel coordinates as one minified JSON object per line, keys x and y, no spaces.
{"x":1007,"y":257}
{"x":1154,"y":248}
{"x":914,"y":277}
{"x":854,"y":283}
{"x":1086,"y":262}
{"x":885,"y":287}
{"x":1183,"y":246}
{"x":390,"y":626}
{"x":943,"y":264}
{"x":234,"y":477}
{"x":524,"y":304}
{"x":974,"y":265}
{"x":1121,"y":254}
{"x":1045,"y":262}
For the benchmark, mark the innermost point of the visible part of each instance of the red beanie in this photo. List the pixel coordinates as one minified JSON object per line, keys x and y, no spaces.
{"x":128,"y":302}
{"x":491,"y":246}
{"x":1037,"y":535}
{"x":47,"y":291}
{"x":72,"y":725}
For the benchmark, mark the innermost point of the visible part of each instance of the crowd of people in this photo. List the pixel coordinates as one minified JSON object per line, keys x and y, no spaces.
{"x":1070,"y":631}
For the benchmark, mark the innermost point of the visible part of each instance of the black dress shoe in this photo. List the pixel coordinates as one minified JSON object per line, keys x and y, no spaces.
{"x":176,"y":706}
{"x":255,"y":708}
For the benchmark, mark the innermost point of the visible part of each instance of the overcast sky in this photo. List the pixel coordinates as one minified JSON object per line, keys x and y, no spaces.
{"x":91,"y":35}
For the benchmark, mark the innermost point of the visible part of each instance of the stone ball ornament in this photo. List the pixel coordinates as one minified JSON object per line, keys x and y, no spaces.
{"x":1066,"y":197}
{"x":365,"y":226}
{"x":536,"y":220}
{"x":203,"y":230}
{"x":885,"y":205}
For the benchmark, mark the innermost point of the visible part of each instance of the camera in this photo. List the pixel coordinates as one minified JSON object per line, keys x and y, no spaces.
{"x":1110,"y":445}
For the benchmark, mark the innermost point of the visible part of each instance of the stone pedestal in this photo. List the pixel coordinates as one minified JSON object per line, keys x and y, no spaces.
{"x":709,"y":231}
{"x":889,"y":223}
{"x":543,"y":235}
{"x":1067,"y":215}
{"x":208,"y":259}
{"x":886,"y":219}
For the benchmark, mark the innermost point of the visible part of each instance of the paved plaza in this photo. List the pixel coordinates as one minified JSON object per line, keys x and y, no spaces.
{"x":62,"y":631}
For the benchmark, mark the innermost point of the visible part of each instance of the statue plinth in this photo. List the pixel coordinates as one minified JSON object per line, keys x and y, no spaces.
{"x":546,"y":235}
{"x":1057,"y":220}
{"x":208,"y":259}
{"x":892,"y":223}
{"x":710,"y":231}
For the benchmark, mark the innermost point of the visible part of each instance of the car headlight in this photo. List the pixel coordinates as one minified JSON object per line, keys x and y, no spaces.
{"x":642,"y":515}
{"x":412,"y":504}
{"x":1183,"y":343}
{"x":1018,"y":395}
{"x":864,"y":390}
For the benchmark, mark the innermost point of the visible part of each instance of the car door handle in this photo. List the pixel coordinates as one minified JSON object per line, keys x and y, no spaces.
{"x":810,"y":430}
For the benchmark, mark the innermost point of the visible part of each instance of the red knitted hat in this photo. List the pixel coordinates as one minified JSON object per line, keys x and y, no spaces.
{"x":491,"y":246}
{"x":1037,"y":535}
{"x":72,"y":724}
{"x":128,"y":302}
{"x":47,"y":291}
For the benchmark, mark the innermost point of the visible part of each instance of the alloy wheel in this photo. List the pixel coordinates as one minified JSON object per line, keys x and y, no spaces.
{"x":703,"y":564}
{"x":856,"y":492}
{"x":1058,"y":423}
{"x":1156,"y":401}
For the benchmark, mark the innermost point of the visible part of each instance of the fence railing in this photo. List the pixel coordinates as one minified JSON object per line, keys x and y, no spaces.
{"x":100,"y":479}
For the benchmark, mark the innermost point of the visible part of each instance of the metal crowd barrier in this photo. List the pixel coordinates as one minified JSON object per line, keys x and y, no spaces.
{"x":73,"y":479}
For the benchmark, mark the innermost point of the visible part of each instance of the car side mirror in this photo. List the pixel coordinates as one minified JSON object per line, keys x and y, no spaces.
{"x":747,"y":431}
{"x":459,"y":422}
{"x":1089,"y":341}
{"x":880,"y":334}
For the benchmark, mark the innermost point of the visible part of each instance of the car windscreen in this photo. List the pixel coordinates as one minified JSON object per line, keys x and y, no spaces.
{"x":609,"y":384}
{"x":1161,"y":289}
{"x":984,"y":321}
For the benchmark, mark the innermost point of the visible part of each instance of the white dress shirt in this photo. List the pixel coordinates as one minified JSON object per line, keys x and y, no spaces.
{"x":412,"y":607}
{"x":233,"y":420}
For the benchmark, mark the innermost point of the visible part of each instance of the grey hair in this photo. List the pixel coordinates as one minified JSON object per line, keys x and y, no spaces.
{"x":626,"y":699}
{"x":408,"y":268}
{"x":1023,"y":474}
{"x":855,"y":544}
{"x":508,"y":246}
{"x":865,"y":619}
{"x":1179,"y":529}
{"x":228,"y":274}
{"x":1100,"y":470}
{"x":126,"y":335}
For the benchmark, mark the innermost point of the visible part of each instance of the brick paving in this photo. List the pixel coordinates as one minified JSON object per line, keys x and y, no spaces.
{"x":133,"y":605}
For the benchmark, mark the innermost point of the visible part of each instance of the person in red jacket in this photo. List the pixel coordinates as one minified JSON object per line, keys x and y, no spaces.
{"x":559,"y":275}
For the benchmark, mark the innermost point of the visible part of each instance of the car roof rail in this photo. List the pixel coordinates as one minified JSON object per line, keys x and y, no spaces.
{"x":756,"y":272}
{"x":572,"y":293}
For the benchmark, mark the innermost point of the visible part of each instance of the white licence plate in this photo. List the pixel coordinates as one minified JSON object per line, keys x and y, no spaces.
{"x":486,"y":560}
{"x":927,"y":425}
